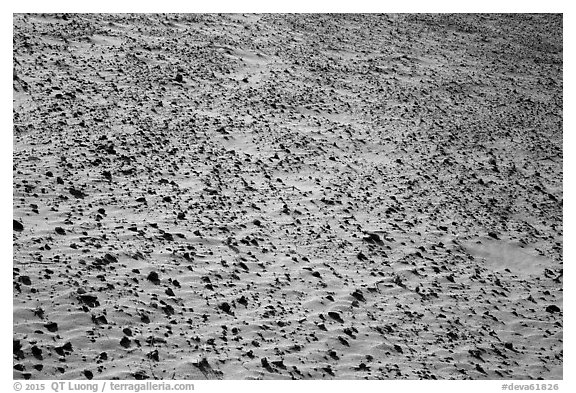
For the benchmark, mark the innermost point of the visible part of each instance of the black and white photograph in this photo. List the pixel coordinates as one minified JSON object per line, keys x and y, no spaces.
{"x":287,"y":196}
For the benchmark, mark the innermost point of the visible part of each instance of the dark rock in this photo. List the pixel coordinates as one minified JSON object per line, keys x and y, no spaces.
{"x":107,"y":175}
{"x":243,"y":301}
{"x":17,"y":226}
{"x":225,"y":306}
{"x":243,"y":266}
{"x":76,"y":193}
{"x":373,"y":238}
{"x":207,"y":369}
{"x":110,"y":258}
{"x":266,"y":365}
{"x":335,"y":316}
{"x":493,"y":235}
{"x":64,"y":349}
{"x":480,"y":369}
{"x":125,"y":342}
{"x":89,"y":300}
{"x":349,"y":332}
{"x":452,"y":336}
{"x":168,"y":309}
{"x":37,"y":352}
{"x":476,"y":354}
{"x":17,"y":349}
{"x":153,"y":355}
{"x":552,"y":308}
{"x":279,"y":364}
{"x":99,"y":320}
{"x":140,"y":375}
{"x":153,"y":277}
{"x":358,"y":295}
{"x":398,"y":281}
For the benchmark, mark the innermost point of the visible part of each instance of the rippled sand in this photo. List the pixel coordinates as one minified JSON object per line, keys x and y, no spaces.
{"x":288,"y":197}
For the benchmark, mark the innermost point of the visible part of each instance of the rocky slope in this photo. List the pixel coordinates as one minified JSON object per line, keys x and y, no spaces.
{"x":287,"y":196}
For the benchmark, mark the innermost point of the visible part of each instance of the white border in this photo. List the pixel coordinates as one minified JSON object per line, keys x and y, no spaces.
{"x":297,"y":6}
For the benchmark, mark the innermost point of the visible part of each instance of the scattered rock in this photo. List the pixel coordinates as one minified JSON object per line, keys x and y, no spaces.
{"x":365,"y":151}
{"x":266,"y":365}
{"x":17,"y":226}
{"x":37,"y":352}
{"x":153,"y":277}
{"x":336,"y":316}
{"x":358,"y":295}
{"x":207,"y":369}
{"x":110,"y":258}
{"x":225,"y":306}
{"x":153,"y":355}
{"x":373,"y":238}
{"x":89,"y":300}
{"x":17,"y":350}
{"x":64,"y":350}
{"x":99,"y":320}
{"x":125,"y":342}
{"x":77,"y":193}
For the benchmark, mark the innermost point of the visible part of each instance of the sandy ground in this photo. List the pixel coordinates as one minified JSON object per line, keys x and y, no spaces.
{"x":287,"y":197}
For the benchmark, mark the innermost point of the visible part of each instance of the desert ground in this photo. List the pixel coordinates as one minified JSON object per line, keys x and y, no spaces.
{"x":264,"y":196}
